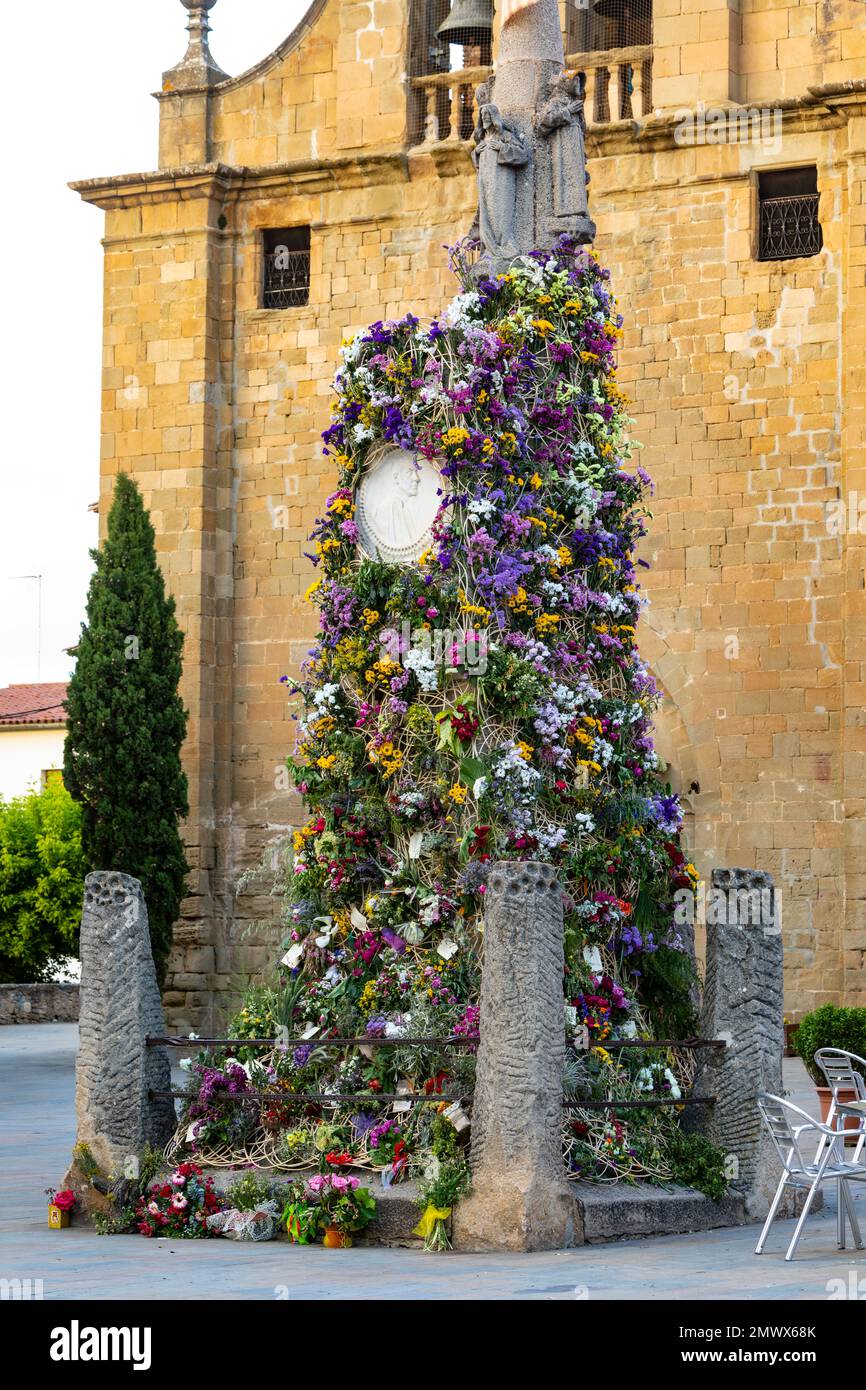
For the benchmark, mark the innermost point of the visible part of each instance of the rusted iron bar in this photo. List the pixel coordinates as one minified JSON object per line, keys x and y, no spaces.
{"x":609,"y":1045}
{"x":316,"y":1097}
{"x":636,"y":1104}
{"x":311,"y":1042}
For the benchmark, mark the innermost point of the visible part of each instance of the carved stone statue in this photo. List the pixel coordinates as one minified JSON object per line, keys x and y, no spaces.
{"x":500,"y":150}
{"x":530,"y":152}
{"x":561,"y":120}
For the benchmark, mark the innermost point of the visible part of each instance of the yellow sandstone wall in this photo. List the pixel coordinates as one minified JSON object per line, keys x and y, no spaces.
{"x":749,"y":394}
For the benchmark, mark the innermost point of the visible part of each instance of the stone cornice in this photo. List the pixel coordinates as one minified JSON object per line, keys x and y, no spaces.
{"x":816,"y":111}
{"x":225,"y":181}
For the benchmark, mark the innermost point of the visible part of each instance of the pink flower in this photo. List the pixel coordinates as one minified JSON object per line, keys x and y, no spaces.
{"x":153,"y":1208}
{"x":178,"y":1178}
{"x":178,"y":1201}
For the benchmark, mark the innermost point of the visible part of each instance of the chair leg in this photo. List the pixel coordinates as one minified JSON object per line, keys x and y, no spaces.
{"x":846,"y":1196}
{"x":774,"y":1207}
{"x":798,"y":1229}
{"x":841,"y":1203}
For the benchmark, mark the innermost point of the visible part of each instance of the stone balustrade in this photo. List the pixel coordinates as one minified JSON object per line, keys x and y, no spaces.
{"x":445,"y":105}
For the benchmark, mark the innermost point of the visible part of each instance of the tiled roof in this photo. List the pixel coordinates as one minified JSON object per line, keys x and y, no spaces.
{"x":33,"y":704}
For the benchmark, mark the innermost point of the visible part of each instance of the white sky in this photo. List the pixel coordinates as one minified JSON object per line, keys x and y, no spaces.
{"x":75,"y":103}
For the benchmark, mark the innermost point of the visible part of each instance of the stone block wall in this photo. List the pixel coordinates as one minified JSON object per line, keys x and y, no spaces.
{"x":746,"y":378}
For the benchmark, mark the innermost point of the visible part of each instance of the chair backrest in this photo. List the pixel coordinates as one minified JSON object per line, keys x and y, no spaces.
{"x":841,"y":1070}
{"x":782,"y":1119}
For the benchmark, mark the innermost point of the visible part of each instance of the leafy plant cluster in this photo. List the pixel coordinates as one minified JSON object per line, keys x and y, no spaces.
{"x":42,"y":867}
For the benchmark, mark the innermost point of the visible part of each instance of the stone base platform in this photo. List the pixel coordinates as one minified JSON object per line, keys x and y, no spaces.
{"x":605,"y":1212}
{"x":613,"y":1211}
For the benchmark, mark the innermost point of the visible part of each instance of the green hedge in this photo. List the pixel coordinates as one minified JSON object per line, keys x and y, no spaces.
{"x":830,"y":1026}
{"x":41,"y":883}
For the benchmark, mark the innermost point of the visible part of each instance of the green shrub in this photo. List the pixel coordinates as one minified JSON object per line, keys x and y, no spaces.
{"x":695,"y":1162}
{"x":42,"y":871}
{"x":830,"y":1026}
{"x":127,"y":722}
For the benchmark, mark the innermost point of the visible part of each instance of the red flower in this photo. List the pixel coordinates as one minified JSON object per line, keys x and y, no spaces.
{"x":375,"y":1085}
{"x":338,"y":1160}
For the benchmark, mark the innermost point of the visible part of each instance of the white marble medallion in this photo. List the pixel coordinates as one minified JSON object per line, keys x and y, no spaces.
{"x":396,"y":505}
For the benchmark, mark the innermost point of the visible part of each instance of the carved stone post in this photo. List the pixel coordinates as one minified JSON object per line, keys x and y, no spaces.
{"x":520,"y":1199}
{"x":743,"y":1006}
{"x":120,"y":1006}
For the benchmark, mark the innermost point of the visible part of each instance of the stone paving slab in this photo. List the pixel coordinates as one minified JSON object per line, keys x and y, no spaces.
{"x":36,"y":1134}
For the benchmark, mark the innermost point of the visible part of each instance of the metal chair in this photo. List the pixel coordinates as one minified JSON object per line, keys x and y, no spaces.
{"x":841,"y":1071}
{"x":781,"y":1119}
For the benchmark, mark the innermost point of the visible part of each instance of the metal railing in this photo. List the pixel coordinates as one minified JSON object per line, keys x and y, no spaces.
{"x":789,"y":227}
{"x":286,"y":279}
{"x":432,"y":1097}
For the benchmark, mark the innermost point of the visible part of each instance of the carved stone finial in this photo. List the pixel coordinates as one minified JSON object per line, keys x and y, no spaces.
{"x":197,"y":67}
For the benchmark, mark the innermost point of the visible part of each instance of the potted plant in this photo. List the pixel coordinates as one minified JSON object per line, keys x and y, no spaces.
{"x":60,"y":1208}
{"x":331,"y":1204}
{"x":831,"y":1026}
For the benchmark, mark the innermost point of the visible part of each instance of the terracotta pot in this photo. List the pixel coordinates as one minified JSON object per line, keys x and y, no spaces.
{"x":825,"y":1096}
{"x":335,"y":1239}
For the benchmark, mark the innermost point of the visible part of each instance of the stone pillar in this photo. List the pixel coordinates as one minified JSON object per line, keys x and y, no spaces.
{"x":519,"y":1199}
{"x":743,"y":1006}
{"x":120,"y":1006}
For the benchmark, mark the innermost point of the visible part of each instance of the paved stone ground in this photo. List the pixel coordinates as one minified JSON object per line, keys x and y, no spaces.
{"x":36,"y":1135}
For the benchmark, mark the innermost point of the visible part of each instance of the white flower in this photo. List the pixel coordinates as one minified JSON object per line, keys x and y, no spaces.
{"x":185,"y":1064}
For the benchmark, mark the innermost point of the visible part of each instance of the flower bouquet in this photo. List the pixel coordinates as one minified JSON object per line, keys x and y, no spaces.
{"x":60,"y":1209}
{"x":331,"y":1204}
{"x":180,"y":1206}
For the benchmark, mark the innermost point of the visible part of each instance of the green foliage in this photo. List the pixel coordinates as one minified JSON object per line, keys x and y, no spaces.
{"x":127,"y":722}
{"x":695,"y":1162}
{"x":42,"y":870}
{"x":450,"y":1184}
{"x":669,"y":990}
{"x":249,"y":1192}
{"x":830,"y":1026}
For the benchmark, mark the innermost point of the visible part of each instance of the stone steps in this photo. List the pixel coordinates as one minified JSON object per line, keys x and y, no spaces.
{"x":611,"y":1211}
{"x":605,"y":1211}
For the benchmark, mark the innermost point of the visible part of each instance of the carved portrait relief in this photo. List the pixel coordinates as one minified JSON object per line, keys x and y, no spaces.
{"x":396,"y":505}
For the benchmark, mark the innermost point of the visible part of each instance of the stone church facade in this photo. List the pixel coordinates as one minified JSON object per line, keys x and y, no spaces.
{"x":727,"y":145}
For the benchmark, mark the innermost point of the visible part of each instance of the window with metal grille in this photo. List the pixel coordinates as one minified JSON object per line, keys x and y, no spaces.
{"x":788,"y":214}
{"x":286,"y":258}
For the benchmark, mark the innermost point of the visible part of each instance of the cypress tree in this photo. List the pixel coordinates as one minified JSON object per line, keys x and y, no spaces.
{"x":126,"y":721}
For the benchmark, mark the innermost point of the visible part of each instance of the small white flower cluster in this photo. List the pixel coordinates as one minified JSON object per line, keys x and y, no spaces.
{"x":517,"y":783}
{"x":646,"y":1078}
{"x":424,"y":666}
{"x":463,"y":310}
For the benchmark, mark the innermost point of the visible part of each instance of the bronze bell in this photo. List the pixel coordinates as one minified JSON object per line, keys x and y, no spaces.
{"x":469,"y":22}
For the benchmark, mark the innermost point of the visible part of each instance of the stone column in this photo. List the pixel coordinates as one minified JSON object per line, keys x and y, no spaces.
{"x":743,"y":1007}
{"x":120,"y":1006}
{"x":519,"y":1199}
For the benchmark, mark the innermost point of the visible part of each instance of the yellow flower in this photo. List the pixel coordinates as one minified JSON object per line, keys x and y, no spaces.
{"x":546,"y":622}
{"x":326,"y":762}
{"x":458,"y":793}
{"x":542,"y":327}
{"x":526,"y":751}
{"x":535,"y":480}
{"x":316,"y":584}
